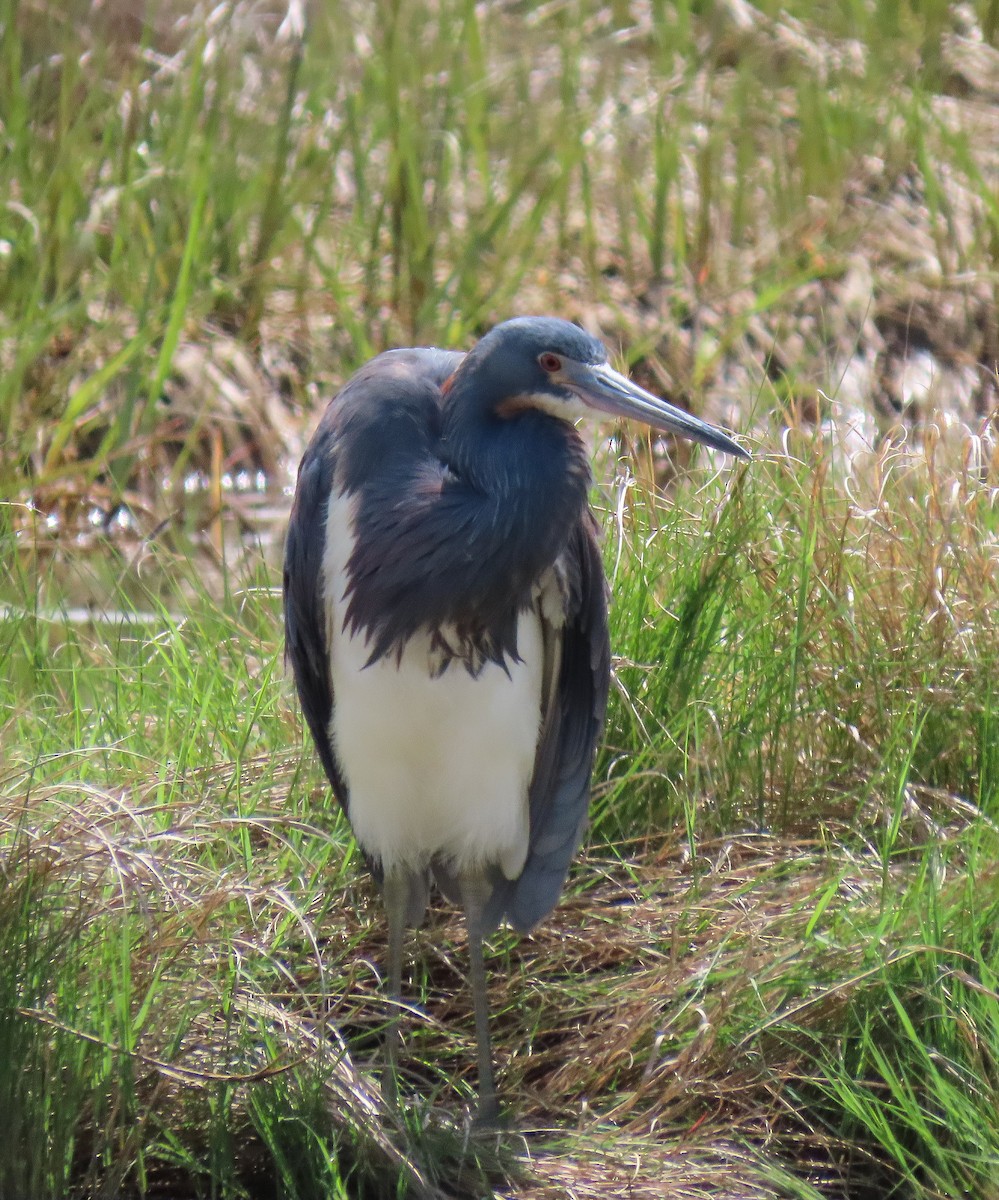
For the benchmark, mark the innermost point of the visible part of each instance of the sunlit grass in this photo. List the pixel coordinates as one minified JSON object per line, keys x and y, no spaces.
{"x":761,"y":900}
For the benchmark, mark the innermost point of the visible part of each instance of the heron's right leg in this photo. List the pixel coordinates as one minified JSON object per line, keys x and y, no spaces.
{"x":396,"y":892}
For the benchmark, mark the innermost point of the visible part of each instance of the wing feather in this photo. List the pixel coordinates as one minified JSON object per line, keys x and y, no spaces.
{"x":306,"y":646}
{"x":412,"y":378}
{"x":577,"y":652}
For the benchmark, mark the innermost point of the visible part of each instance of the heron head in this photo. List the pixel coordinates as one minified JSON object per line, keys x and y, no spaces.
{"x":546,"y":364}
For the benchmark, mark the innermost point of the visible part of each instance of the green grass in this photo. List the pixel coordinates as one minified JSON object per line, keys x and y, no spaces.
{"x":185,"y":922}
{"x":774,"y":971}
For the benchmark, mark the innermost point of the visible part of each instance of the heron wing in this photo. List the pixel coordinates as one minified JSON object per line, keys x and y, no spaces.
{"x":306,"y":647}
{"x":576,"y":681}
{"x":402,"y":376}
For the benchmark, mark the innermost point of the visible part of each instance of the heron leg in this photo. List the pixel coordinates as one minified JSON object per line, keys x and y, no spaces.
{"x":475,"y":891}
{"x":396,"y":896}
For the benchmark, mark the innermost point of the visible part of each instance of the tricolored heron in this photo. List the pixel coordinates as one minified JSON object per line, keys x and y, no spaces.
{"x":446,"y":621}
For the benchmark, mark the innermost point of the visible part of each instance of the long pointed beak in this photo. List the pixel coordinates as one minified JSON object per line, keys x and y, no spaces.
{"x":606,"y":390}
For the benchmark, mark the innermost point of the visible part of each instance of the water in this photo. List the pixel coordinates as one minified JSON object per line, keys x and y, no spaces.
{"x":83,"y":561}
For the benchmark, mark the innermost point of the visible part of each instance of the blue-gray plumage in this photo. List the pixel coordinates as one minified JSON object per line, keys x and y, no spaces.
{"x":446,"y":620}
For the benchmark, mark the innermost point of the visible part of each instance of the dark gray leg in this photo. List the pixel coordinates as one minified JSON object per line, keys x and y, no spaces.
{"x":396,"y":896}
{"x":474,"y":892}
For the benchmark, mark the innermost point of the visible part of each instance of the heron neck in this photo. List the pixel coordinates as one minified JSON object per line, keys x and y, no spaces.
{"x":467,"y":550}
{"x":528,"y":478}
{"x":529,"y":461}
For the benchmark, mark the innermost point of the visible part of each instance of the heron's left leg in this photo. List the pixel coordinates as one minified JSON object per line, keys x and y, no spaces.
{"x":475,"y":891}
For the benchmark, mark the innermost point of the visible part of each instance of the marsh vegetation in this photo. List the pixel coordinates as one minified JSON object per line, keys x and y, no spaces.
{"x":775,"y":970}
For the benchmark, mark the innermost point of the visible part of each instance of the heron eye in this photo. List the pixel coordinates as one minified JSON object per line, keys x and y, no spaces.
{"x":549,"y":362}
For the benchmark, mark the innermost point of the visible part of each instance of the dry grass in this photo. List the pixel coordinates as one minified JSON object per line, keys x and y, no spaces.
{"x":640,"y":1017}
